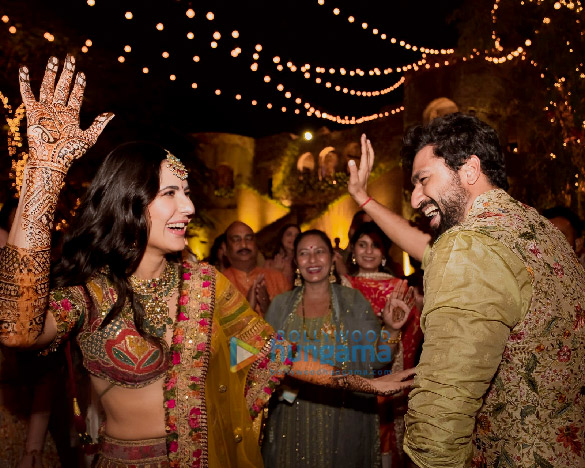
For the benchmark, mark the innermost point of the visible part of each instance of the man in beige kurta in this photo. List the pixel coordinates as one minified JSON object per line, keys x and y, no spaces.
{"x":501,"y":379}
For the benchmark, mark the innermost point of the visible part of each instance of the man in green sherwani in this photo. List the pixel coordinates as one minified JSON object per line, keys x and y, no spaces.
{"x":501,"y":379}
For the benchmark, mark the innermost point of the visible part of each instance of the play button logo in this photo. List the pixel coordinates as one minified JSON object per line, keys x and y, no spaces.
{"x":241,"y":354}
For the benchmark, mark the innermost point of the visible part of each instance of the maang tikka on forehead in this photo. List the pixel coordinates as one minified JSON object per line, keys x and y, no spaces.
{"x":176,"y":166}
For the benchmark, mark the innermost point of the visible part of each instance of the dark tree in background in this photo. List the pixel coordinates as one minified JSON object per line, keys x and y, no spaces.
{"x":548,"y":89}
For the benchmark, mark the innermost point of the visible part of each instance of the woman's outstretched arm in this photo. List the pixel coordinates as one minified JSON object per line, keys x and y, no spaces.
{"x":55,"y":141}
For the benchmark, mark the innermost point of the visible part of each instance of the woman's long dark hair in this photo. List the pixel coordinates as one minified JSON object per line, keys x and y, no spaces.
{"x":112,"y":225}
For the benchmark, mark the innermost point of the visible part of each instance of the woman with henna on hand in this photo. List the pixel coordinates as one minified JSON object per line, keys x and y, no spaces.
{"x":315,"y":426}
{"x":154,"y":331}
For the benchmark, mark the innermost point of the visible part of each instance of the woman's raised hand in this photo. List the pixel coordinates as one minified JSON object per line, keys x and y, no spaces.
{"x":54,"y":136}
{"x":398,"y":306}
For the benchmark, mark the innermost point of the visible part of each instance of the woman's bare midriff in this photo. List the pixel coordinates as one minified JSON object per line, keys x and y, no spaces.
{"x":132,"y":413}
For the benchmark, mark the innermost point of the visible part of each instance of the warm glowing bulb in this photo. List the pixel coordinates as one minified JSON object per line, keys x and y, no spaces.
{"x":351,"y":19}
{"x":528,"y":42}
{"x":210,"y":16}
{"x":254,"y":102}
{"x":287,"y":95}
{"x":196,"y":58}
{"x":172,"y":77}
{"x":12,"y":30}
{"x":84,"y":49}
{"x":160,"y":26}
{"x":238,"y":96}
{"x":128,"y":15}
{"x":145,"y":70}
{"x":91,"y":2}
{"x":258,"y":47}
{"x":217,"y":35}
{"x":127,"y":48}
{"x":190,"y":13}
{"x":5,"y":19}
{"x":308,"y":136}
{"x":165,"y":54}
{"x":254,"y":66}
{"x":267,"y":79}
{"x":88,"y":43}
{"x":194,"y":85}
{"x":190,"y":35}
{"x":336,"y":11}
{"x":280,"y":87}
{"x":213,"y":45}
{"x":235,"y":34}
{"x":276,"y":59}
{"x":365,"y":25}
{"x":218,"y":92}
{"x":269,"y":105}
{"x":121,"y":59}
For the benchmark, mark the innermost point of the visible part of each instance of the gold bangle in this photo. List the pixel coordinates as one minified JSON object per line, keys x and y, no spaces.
{"x":395,"y":340}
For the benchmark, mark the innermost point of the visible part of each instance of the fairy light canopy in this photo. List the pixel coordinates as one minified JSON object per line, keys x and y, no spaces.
{"x":247,"y":67}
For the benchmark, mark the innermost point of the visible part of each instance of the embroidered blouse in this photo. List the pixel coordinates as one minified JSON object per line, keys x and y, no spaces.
{"x":116,"y":353}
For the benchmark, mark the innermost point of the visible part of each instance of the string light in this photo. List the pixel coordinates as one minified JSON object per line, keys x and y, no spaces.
{"x":430,"y":61}
{"x":190,"y":13}
{"x":128,"y":15}
{"x":18,"y":156}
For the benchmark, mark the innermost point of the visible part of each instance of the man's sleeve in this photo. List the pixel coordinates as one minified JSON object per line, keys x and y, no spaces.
{"x":476,"y":291}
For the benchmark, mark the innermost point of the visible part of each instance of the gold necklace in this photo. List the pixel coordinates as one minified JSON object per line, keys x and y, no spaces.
{"x":328,"y":328}
{"x":153,"y":294}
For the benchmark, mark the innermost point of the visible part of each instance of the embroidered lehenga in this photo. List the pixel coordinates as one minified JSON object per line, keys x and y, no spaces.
{"x":210,"y":409}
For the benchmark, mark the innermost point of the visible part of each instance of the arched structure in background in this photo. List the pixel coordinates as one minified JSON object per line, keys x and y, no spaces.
{"x":306,"y":162}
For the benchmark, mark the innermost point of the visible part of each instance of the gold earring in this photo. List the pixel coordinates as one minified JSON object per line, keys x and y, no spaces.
{"x":298,"y":281}
{"x":332,"y":278}
{"x":353,"y":260}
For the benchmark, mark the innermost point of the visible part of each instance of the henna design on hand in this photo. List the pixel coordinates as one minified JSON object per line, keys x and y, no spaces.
{"x":55,"y":141}
{"x":24,"y":288}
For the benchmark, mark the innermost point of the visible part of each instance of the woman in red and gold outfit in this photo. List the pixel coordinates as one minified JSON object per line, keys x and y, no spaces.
{"x":154,"y":331}
{"x":369,"y":249}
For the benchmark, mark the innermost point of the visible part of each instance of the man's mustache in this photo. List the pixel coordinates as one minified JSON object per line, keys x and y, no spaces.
{"x":244,"y":250}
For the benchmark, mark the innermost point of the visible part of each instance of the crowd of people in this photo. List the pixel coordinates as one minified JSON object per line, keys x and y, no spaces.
{"x":332,"y":339}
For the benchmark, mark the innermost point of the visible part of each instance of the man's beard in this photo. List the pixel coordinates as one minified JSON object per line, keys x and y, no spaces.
{"x":451,"y":207}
